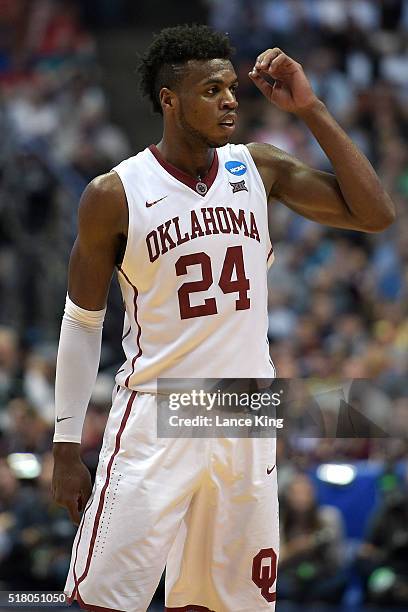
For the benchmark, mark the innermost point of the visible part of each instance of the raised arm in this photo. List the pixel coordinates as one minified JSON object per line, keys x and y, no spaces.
{"x":352,"y":197}
{"x":102,"y":227}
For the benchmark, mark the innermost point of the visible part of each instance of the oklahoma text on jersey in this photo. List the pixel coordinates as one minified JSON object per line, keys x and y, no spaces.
{"x":169,"y":234}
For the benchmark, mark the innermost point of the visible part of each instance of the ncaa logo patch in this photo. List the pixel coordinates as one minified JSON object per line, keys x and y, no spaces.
{"x":237,"y":168}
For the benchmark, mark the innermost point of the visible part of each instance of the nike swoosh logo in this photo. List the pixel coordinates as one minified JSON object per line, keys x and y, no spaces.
{"x":269,"y":471}
{"x":148,"y":204}
{"x":59,"y":419}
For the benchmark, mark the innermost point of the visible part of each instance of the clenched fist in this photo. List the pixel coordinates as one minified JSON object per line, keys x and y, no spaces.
{"x":291,"y":90}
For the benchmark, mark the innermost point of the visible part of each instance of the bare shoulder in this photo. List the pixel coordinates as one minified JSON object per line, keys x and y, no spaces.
{"x":272,"y":163}
{"x":103,"y":204}
{"x":261,"y":151}
{"x":266,"y":155}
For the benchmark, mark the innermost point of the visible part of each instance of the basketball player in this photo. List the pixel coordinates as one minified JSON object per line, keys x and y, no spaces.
{"x":184,"y":223}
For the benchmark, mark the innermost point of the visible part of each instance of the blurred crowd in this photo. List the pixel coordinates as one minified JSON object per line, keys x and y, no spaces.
{"x":338,"y":300}
{"x":56,"y":136}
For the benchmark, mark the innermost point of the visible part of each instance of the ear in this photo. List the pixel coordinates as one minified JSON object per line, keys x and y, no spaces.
{"x":168,"y":99}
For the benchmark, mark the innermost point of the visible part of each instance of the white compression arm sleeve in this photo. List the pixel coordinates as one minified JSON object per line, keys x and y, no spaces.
{"x":78,"y":357}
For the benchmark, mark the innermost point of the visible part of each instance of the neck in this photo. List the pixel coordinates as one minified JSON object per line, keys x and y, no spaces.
{"x":192,"y":157}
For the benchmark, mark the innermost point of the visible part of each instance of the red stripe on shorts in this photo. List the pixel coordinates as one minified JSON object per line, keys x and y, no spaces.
{"x":269,"y":254}
{"x":103,"y":493}
{"x":188,"y":608}
{"x":93,"y":608}
{"x":135,"y":295}
{"x":70,"y":599}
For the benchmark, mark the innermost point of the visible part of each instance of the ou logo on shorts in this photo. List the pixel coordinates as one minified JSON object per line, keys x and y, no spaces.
{"x":237,"y":168}
{"x":264,"y":572}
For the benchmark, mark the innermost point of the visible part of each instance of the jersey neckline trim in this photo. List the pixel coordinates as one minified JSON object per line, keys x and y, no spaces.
{"x":185,"y":178}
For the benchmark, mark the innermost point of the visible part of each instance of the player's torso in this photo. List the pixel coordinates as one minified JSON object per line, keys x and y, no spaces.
{"x":194,"y":272}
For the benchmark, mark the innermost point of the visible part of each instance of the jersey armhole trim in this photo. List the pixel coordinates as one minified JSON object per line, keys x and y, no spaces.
{"x":130,"y":224}
{"x":262,"y":187}
{"x":248,"y":152}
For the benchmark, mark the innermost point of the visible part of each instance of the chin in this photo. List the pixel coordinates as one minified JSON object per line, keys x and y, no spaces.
{"x":219,"y":142}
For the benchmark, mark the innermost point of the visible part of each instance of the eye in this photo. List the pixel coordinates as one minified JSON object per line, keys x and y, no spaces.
{"x":212,"y":90}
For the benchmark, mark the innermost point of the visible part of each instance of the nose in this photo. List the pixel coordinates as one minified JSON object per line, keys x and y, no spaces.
{"x":229,"y":101}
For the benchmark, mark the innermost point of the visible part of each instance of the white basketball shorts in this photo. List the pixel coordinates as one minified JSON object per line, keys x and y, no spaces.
{"x":206,"y":509}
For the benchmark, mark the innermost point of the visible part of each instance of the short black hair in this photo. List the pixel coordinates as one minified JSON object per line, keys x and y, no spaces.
{"x":172,"y":48}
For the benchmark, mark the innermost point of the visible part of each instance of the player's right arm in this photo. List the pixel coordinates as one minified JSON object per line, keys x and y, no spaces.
{"x":99,"y":246}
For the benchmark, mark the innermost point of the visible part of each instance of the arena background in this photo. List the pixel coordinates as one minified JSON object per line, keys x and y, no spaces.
{"x":70,"y":110}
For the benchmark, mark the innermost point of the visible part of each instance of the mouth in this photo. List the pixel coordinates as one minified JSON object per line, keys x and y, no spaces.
{"x":228,"y":123}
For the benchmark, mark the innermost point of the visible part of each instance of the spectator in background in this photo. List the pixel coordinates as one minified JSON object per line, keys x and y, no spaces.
{"x":34,"y":534}
{"x":38,"y":381}
{"x":383,"y":557}
{"x":11,"y":497}
{"x":16,"y":502}
{"x":8,"y":362}
{"x":46,"y":532}
{"x":28,"y":432}
{"x":311,"y":563}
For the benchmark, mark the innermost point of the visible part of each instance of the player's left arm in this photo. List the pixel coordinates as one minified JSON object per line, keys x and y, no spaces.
{"x":352,"y":197}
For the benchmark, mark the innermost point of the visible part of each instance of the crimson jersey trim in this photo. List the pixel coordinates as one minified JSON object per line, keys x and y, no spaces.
{"x":139,"y":329}
{"x":181,"y":176}
{"x":188,"y":608}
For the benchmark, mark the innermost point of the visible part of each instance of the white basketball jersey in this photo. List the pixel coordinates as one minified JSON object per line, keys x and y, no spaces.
{"x":194,"y":273}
